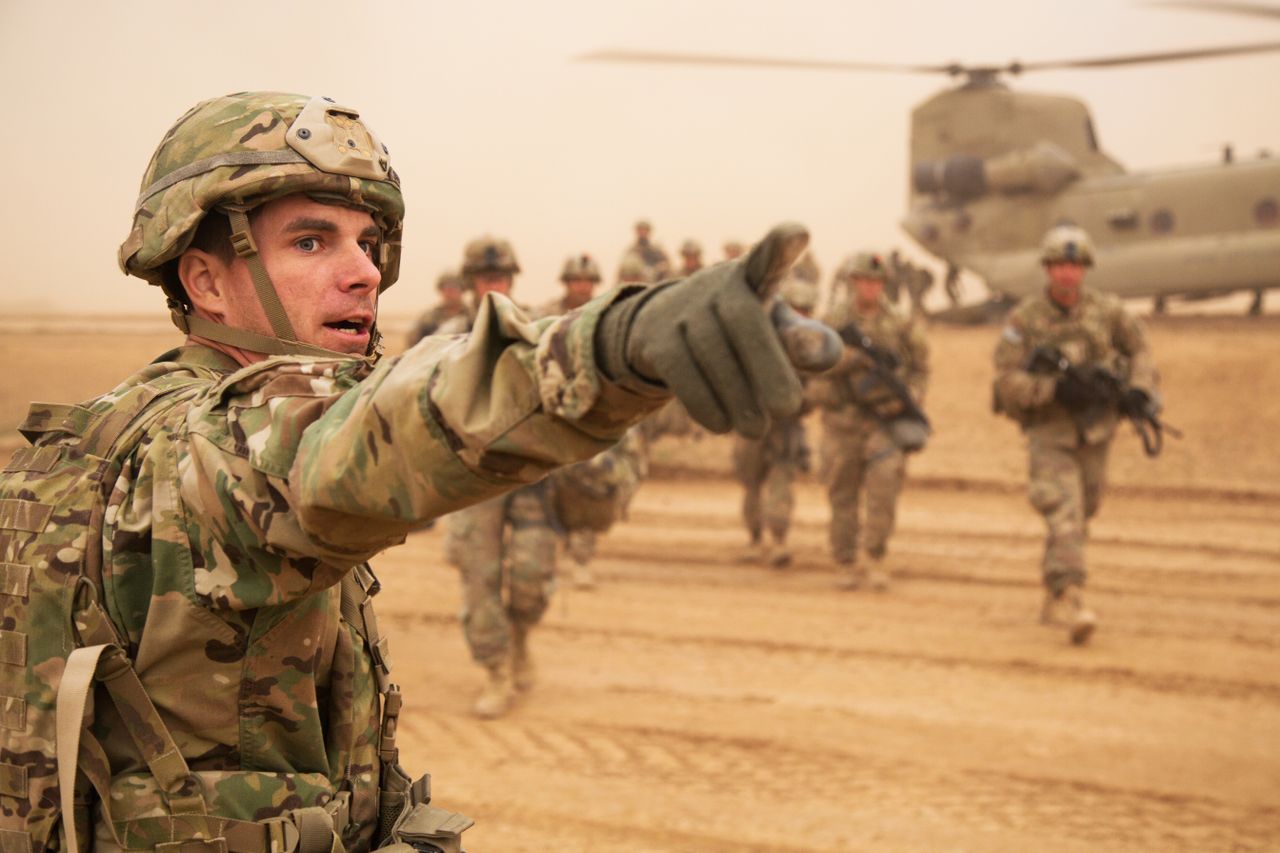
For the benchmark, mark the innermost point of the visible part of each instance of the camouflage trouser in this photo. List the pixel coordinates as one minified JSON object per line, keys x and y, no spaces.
{"x":767,"y":499}
{"x":851,"y":462}
{"x":581,"y":545}
{"x":1065,"y":486}
{"x":506,"y":550}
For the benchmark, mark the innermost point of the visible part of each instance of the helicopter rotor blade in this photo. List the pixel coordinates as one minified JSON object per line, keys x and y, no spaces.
{"x":1148,"y":58}
{"x":649,"y":57}
{"x":1228,"y":7}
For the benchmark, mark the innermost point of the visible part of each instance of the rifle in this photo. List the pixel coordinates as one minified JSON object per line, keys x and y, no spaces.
{"x":910,"y":426}
{"x":1106,"y":392}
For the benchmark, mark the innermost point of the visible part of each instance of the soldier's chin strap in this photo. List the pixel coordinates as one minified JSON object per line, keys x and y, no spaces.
{"x":285,"y":340}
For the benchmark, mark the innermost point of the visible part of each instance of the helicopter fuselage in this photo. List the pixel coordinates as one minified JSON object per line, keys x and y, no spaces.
{"x":994,"y":169}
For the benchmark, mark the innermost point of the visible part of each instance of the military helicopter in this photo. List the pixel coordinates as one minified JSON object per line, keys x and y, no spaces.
{"x":993,"y":168}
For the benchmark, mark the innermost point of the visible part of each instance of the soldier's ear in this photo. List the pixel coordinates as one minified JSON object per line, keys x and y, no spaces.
{"x":205,"y":277}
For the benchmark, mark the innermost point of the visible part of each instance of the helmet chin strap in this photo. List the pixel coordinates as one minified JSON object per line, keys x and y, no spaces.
{"x":285,"y":340}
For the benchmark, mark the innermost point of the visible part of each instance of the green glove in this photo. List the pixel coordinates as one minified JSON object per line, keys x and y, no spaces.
{"x":710,"y":340}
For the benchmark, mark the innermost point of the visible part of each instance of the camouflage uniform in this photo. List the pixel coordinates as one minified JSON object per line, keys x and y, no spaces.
{"x":857,"y":453}
{"x":255,"y":494}
{"x":592,"y":495}
{"x":652,"y":257}
{"x":505,"y":550}
{"x":443,"y":318}
{"x":767,"y":466}
{"x":1067,"y":457}
{"x":588,"y":497}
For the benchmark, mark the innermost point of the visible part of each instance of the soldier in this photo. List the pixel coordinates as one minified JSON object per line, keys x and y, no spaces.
{"x":579,"y":275}
{"x":448,"y":316}
{"x":632,"y":270}
{"x":1068,"y":430}
{"x":767,"y":466}
{"x":651,"y":256}
{"x":504,"y":548}
{"x":732,"y":249}
{"x":690,"y":257}
{"x":860,"y":452}
{"x":196,"y":606}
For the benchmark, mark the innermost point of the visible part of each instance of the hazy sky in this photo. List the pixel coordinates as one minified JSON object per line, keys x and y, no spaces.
{"x":493,"y":128}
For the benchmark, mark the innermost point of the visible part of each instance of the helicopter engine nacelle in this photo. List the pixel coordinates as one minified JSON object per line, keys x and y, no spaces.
{"x":1044,"y":168}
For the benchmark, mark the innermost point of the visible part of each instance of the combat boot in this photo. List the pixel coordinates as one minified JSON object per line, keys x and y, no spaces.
{"x":849,"y":575}
{"x":1067,"y":610}
{"x":777,"y":555}
{"x":877,"y":574}
{"x":498,"y":695}
{"x":523,"y":672}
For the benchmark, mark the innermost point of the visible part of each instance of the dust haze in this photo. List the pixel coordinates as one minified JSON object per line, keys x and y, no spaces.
{"x":493,"y":126}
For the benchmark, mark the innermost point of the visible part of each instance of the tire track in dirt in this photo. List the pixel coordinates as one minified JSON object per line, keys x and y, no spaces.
{"x":1184,"y":684}
{"x":700,"y":764}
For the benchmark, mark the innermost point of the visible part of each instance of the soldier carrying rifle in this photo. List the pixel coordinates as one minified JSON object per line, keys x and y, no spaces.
{"x":1069,"y":362}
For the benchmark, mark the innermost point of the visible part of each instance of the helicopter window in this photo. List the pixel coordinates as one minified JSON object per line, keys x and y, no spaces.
{"x":1266,"y":213}
{"x":1162,"y":221}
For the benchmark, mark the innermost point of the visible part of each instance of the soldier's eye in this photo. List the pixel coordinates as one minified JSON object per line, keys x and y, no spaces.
{"x":308,"y":244}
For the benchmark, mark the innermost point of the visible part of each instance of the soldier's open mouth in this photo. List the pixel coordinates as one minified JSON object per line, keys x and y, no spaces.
{"x":351,"y":327}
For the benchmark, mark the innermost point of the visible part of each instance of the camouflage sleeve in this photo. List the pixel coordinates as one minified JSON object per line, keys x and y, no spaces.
{"x":916,"y":348}
{"x":1130,"y":338}
{"x":1016,"y":389}
{"x":310,"y":467}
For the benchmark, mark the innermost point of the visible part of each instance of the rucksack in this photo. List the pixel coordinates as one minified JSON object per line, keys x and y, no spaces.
{"x":52,"y":499}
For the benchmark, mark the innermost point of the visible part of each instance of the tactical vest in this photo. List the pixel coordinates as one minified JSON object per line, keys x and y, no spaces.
{"x":60,"y":653}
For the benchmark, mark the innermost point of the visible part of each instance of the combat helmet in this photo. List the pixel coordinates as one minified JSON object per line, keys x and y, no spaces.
{"x":231,"y":155}
{"x":580,"y":266}
{"x":863,"y":265}
{"x":489,"y":254}
{"x":691,"y":247}
{"x":1067,"y":244}
{"x":450,"y":278}
{"x":799,"y":293}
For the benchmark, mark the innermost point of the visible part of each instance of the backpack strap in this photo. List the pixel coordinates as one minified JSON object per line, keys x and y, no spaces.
{"x":110,"y":665}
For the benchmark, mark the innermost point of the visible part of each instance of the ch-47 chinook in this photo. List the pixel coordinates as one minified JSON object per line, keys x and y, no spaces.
{"x":993,"y":168}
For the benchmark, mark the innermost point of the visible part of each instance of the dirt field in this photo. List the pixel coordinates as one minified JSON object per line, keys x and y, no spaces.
{"x":692,"y":703}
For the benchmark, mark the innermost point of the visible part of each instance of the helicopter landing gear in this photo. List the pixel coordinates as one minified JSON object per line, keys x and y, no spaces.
{"x":1255,"y":309}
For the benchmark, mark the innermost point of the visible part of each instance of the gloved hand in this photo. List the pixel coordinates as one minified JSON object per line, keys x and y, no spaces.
{"x":1073,"y":391}
{"x":710,"y":340}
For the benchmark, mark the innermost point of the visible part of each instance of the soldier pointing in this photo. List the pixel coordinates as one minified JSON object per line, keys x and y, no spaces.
{"x":202,"y":624}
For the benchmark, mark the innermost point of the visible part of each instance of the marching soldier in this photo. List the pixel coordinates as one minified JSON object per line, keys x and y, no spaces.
{"x":1068,"y":424}
{"x":690,"y":257}
{"x":505,"y":548}
{"x":448,"y":316}
{"x":651,"y":256}
{"x":580,"y":276}
{"x":864,"y":400}
{"x":767,"y":466}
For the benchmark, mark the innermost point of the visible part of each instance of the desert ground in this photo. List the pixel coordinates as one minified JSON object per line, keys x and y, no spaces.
{"x":695,"y":703}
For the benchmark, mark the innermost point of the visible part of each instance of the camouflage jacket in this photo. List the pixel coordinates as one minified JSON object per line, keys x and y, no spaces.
{"x":888,"y":329}
{"x":439,"y":319}
{"x":652,"y":257}
{"x":1097,"y":331}
{"x":232,"y":523}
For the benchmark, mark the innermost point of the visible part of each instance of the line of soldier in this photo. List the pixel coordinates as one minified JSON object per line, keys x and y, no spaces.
{"x":871,"y":414}
{"x":1070,"y":364}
